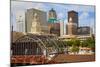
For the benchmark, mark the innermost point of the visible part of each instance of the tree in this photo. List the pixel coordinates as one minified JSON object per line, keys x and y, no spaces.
{"x":91,"y":43}
{"x":76,"y":42}
{"x":75,"y":49}
{"x":69,"y":43}
{"x":84,"y":43}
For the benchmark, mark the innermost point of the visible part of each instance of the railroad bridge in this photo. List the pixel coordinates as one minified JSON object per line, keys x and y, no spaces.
{"x":35,"y":49}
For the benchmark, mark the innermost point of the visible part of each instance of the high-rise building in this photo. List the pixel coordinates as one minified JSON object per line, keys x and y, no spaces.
{"x":52,"y":14}
{"x":20,"y":21}
{"x":54,"y":26}
{"x":72,"y":23}
{"x":55,"y":29}
{"x":73,"y":17}
{"x":36,"y":21}
{"x":61,"y":27}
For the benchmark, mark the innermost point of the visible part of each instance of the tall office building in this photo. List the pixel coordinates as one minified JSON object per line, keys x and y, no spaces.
{"x":54,"y":26}
{"x":36,"y":21}
{"x":55,"y":29}
{"x":61,"y":28}
{"x":20,"y":21}
{"x":74,"y":16}
{"x":52,"y":14}
{"x":72,"y":23}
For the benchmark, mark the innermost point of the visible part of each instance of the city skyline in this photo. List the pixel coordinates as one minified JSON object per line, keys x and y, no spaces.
{"x":86,"y":13}
{"x":51,"y":33}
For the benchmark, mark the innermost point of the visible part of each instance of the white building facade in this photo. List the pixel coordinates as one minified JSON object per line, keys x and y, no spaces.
{"x":20,"y":21}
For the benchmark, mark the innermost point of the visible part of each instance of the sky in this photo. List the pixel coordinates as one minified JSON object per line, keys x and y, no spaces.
{"x":86,"y":13}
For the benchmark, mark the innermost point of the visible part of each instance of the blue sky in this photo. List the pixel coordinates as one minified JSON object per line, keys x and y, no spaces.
{"x":86,"y":13}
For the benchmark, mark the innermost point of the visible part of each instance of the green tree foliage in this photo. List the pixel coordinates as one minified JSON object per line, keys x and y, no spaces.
{"x":84,"y":43}
{"x":76,"y":42}
{"x":88,"y":43}
{"x":69,"y":43}
{"x":75,"y":49}
{"x":91,"y":43}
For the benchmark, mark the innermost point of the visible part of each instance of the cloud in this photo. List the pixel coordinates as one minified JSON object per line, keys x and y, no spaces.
{"x":17,"y":5}
{"x":81,"y":8}
{"x":78,"y":8}
{"x":60,"y":15}
{"x":85,"y":19}
{"x":84,"y":15}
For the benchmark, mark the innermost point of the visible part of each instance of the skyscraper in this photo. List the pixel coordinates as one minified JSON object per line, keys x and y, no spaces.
{"x":52,"y":14}
{"x":73,"y":17}
{"x":61,"y":27}
{"x":54,"y":26}
{"x":72,"y":23}
{"x":20,"y":21}
{"x":36,"y":21}
{"x":55,"y":29}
